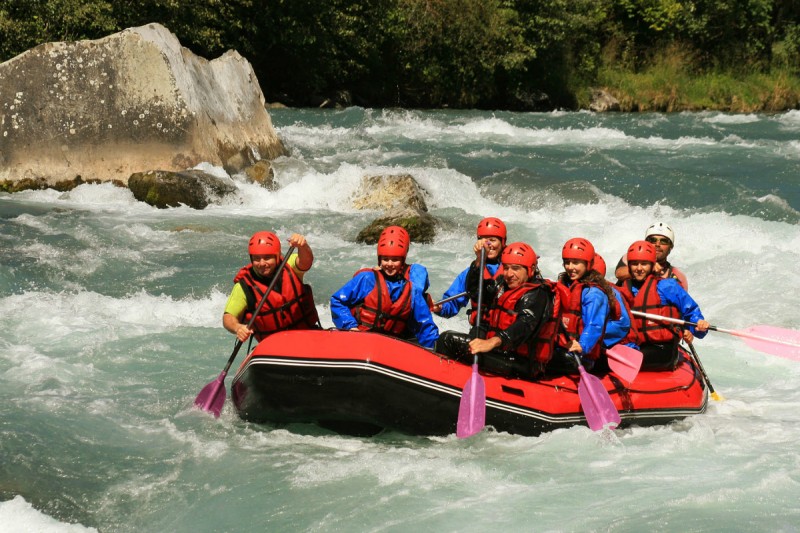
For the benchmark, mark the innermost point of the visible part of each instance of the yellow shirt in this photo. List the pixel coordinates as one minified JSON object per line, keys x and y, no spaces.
{"x":237,"y":301}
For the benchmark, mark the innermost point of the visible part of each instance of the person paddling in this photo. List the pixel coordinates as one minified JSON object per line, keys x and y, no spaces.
{"x":662,"y":237}
{"x":491,"y":233}
{"x":385,"y":299}
{"x":647,"y":292}
{"x":521,"y":330}
{"x":290,"y":304}
{"x":587,"y":301}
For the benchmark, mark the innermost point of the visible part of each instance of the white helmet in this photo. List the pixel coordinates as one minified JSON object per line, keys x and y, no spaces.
{"x":661,"y":228}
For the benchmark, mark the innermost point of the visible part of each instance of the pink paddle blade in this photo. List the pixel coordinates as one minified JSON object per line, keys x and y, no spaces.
{"x":472,"y":409}
{"x":773,"y":340}
{"x":624,"y":361}
{"x":598,"y":408}
{"x":212,"y":397}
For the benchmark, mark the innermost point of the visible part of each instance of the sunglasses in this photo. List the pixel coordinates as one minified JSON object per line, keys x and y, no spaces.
{"x":659,"y":240}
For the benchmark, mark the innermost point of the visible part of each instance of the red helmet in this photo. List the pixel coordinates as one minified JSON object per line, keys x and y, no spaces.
{"x":393,"y":242}
{"x":492,"y":227}
{"x":264,"y":243}
{"x":519,"y":253}
{"x":641,"y":251}
{"x":599,"y":264}
{"x":578,"y":248}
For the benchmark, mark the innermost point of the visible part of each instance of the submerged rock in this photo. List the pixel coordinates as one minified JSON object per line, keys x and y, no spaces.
{"x":129,"y":102}
{"x":163,"y":189}
{"x":403,"y":202}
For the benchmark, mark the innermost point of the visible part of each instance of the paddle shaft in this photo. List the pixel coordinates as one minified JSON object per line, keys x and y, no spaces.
{"x":261,"y":303}
{"x":703,"y":372}
{"x":713,"y":328}
{"x":450,"y":298}
{"x":479,"y":314}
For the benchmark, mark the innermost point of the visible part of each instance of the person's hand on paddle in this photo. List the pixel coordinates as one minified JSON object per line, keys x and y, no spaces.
{"x":297,"y":240}
{"x":243,"y":332}
{"x":575,"y":347}
{"x":484,"y":345}
{"x":702,"y":325}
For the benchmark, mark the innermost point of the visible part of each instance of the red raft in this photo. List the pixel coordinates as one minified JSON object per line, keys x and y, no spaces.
{"x":362,"y":383}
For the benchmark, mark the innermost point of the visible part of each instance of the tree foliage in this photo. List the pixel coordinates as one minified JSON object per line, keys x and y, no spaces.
{"x":432,"y":53}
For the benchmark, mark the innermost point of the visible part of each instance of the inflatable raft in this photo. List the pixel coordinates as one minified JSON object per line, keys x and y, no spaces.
{"x":362,"y":383}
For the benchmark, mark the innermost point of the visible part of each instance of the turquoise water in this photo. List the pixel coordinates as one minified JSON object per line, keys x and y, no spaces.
{"x":110,"y":316}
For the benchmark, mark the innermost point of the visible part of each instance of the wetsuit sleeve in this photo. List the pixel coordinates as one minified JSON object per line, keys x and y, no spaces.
{"x":458,"y":286}
{"x":671,"y":292}
{"x":616,"y":330}
{"x":421,"y":323}
{"x":352,"y":293}
{"x":237,"y":302}
{"x":594,"y":310}
{"x":531,"y":312}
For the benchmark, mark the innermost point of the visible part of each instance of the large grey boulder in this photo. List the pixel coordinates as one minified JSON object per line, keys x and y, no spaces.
{"x":130,"y":102}
{"x":402,"y":202}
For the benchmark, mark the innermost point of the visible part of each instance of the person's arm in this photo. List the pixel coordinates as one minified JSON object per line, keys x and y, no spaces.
{"x":621,"y":272}
{"x":418,"y":275}
{"x":305,"y":257}
{"x":594,"y":311}
{"x":616,"y":330}
{"x":670,"y":291}
{"x":353,"y":292}
{"x":451,"y":308}
{"x":234,"y":310}
{"x":423,"y":325}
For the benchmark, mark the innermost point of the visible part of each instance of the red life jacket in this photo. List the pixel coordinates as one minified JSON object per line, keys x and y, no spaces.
{"x":289,"y":305}
{"x":502,"y":314}
{"x":472,"y":312}
{"x":674,"y":273}
{"x":647,"y":300}
{"x":633,"y":333}
{"x":572,"y":311}
{"x":378,"y":312}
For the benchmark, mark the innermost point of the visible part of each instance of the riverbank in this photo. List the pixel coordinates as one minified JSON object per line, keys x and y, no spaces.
{"x":672,"y":87}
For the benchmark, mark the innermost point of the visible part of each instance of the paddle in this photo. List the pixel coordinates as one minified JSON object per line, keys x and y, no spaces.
{"x":449,"y":298}
{"x":624,"y":361}
{"x":212,"y":397}
{"x":472,"y":409}
{"x":696,"y":359}
{"x":768,"y":339}
{"x":598,"y":408}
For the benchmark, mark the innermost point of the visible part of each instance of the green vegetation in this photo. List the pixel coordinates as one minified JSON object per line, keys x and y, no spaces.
{"x":668,"y":55}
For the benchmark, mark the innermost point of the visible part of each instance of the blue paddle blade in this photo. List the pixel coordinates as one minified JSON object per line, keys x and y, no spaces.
{"x":472,"y":409}
{"x":212,"y":397}
{"x":597,"y":405}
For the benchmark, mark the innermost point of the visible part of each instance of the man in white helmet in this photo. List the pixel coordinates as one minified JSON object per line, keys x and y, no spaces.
{"x":660,"y":235}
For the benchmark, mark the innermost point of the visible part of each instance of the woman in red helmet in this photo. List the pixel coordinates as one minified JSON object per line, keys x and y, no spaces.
{"x":648,"y":292}
{"x":384,"y":299}
{"x":290,"y":304}
{"x":491,"y":234}
{"x":520,"y":326}
{"x":587,"y":301}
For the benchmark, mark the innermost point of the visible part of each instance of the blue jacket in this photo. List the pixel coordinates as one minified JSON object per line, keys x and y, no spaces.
{"x":594,"y":312}
{"x":459,"y":285}
{"x":671,"y":292}
{"x":420,"y":322}
{"x":616,"y":330}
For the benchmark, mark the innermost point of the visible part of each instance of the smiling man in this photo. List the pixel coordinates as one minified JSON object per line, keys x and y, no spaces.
{"x":520,"y":327}
{"x":662,"y":237}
